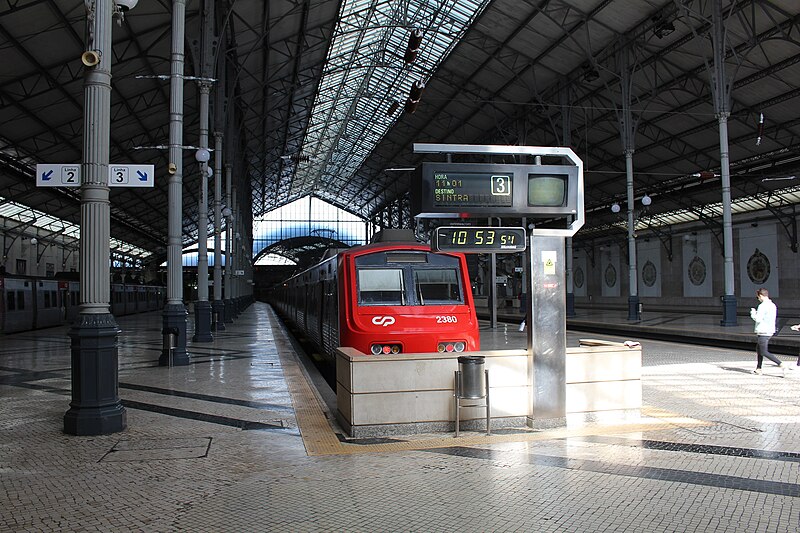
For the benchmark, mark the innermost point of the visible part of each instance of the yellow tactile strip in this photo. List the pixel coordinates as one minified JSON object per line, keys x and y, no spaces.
{"x":319,"y":438}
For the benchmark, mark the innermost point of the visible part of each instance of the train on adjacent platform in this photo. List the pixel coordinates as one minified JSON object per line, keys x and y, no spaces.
{"x":28,"y":303}
{"x":383,"y":298}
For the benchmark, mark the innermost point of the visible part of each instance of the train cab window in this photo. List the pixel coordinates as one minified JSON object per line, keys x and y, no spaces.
{"x":11,"y":301}
{"x":20,"y":300}
{"x":46,"y":299}
{"x":380,"y":286}
{"x":433,"y":286}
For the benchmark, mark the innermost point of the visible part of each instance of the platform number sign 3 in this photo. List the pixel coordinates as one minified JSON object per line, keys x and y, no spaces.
{"x":119,"y":175}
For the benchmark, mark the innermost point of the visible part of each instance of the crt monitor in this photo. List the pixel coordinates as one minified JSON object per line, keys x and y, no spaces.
{"x":547,"y":190}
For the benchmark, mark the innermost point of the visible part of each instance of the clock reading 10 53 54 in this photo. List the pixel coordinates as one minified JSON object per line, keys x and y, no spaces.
{"x":477,"y":239}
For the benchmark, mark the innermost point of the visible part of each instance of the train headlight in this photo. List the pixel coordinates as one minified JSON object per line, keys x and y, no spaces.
{"x":457,"y":346}
{"x":387,"y":348}
{"x":376,"y":349}
{"x":395,"y":348}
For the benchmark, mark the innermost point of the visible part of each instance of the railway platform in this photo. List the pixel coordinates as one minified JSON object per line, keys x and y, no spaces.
{"x":243,"y":439}
{"x":696,"y":328}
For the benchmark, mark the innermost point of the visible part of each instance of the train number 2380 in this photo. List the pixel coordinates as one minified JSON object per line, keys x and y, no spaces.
{"x":446,"y":319}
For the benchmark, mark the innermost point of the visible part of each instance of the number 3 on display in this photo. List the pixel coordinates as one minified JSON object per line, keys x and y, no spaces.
{"x":501,"y":185}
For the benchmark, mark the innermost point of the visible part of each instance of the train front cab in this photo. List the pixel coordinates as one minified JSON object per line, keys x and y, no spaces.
{"x":408,"y":300}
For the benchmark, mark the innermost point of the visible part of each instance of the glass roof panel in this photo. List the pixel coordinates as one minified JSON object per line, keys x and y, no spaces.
{"x":741,"y":205}
{"x":365,"y":73}
{"x":28,"y":217}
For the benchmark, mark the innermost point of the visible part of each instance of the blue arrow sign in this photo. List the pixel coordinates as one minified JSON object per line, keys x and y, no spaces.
{"x":58,"y":175}
{"x":142,"y":175}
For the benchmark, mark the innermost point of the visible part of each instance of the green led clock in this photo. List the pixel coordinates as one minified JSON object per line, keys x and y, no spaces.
{"x":478,"y":239}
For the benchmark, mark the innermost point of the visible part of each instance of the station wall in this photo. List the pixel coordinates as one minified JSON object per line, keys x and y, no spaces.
{"x":44,"y":258}
{"x":693,"y":278}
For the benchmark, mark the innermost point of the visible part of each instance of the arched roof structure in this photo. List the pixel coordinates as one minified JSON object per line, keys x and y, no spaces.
{"x":326,"y":97}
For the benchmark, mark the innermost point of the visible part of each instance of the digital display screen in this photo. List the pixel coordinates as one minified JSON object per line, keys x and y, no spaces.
{"x":472,"y":189}
{"x":547,"y":191}
{"x":465,"y":190}
{"x":479,"y":239}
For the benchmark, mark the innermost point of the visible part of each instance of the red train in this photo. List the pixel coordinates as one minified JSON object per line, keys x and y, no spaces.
{"x":385,"y":297}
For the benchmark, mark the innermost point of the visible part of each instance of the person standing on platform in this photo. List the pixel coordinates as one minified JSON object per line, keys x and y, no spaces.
{"x":765,"y":317}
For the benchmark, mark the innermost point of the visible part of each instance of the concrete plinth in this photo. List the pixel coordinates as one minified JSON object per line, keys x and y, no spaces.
{"x":728,"y":311}
{"x":633,"y":309}
{"x":174,"y":318}
{"x":228,"y":311}
{"x":202,"y":322}
{"x":218,"y":312}
{"x":95,"y":408}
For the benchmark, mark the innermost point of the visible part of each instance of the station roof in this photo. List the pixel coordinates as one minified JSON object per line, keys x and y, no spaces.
{"x":319,"y":92}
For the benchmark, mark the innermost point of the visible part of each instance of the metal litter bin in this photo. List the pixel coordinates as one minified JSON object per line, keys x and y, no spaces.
{"x":170,"y":341}
{"x":472,"y":383}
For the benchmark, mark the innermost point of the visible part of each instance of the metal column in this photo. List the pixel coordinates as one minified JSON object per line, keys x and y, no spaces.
{"x":721,"y":89}
{"x":218,"y":307}
{"x":95,"y":408}
{"x":228,"y":246}
{"x":202,"y":308}
{"x":628,"y":132}
{"x":547,"y":332}
{"x":566,"y":140}
{"x":633,"y":291}
{"x":175,"y":311}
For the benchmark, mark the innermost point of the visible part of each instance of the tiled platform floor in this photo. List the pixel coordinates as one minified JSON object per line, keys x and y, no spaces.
{"x":240,"y":441}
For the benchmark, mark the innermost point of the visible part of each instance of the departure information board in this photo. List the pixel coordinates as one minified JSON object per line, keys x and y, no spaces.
{"x":478,"y":239}
{"x":464,"y":190}
{"x":472,"y":189}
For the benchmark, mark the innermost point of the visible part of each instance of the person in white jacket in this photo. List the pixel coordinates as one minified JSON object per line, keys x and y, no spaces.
{"x":765,"y":317}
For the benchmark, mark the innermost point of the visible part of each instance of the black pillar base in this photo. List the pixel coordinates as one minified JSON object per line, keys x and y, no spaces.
{"x":228,"y":311}
{"x":174,"y":319}
{"x":728,"y":311}
{"x":570,"y":305}
{"x":95,"y":408}
{"x":202,"y":322}
{"x":218,"y":314}
{"x":633,"y":308}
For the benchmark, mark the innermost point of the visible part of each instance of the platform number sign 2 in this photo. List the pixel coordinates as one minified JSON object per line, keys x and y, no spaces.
{"x":70,"y":175}
{"x":58,"y":175}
